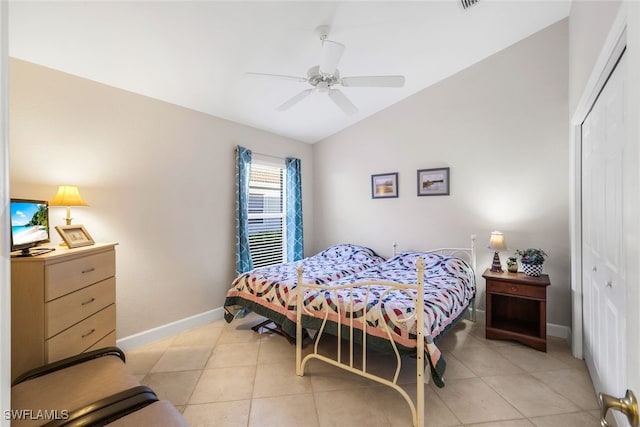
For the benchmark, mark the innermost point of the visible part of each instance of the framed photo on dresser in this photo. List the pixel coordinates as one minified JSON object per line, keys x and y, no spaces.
{"x":74,"y":235}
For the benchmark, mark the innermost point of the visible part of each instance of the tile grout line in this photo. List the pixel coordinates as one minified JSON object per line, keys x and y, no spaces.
{"x":505,"y":399}
{"x":253,"y":384}
{"x":199,"y":377}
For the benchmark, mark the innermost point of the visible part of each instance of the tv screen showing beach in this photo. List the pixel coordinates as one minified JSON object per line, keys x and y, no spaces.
{"x":29,"y":222}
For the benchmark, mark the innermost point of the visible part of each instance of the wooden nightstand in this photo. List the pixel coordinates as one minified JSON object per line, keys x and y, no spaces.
{"x":517,"y":308}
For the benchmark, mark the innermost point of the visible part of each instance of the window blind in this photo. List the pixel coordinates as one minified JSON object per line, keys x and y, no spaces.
{"x":267,"y":224}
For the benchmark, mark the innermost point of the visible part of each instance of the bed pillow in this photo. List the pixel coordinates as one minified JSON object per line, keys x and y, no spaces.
{"x":434,"y":264}
{"x":407,"y":260}
{"x":344,"y":252}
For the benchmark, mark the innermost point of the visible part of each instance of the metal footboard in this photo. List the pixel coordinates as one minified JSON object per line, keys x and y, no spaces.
{"x":358,"y":324}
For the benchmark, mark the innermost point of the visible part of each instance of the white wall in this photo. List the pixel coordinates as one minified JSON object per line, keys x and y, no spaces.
{"x":633,"y":131}
{"x":501,"y":126}
{"x":5,"y":283}
{"x":589,"y":27}
{"x":159,"y":180}
{"x":589,"y":24}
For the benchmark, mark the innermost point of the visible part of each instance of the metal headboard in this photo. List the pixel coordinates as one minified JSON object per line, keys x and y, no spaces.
{"x":467,"y":254}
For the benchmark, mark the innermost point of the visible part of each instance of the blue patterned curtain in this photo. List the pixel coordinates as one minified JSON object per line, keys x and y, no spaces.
{"x":243,"y":174}
{"x":294,"y":209}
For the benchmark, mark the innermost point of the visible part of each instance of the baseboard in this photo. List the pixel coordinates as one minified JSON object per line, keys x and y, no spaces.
{"x":559,"y":331}
{"x":164,"y":331}
{"x":553,"y":330}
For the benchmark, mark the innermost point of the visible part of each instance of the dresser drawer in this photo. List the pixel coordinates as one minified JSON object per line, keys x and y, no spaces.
{"x":82,"y":335}
{"x":108,"y":341}
{"x":76,"y":306}
{"x":518,"y":289}
{"x":68,"y":276}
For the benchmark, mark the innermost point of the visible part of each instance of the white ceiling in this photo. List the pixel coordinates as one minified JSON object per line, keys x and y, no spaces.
{"x":195,"y":54}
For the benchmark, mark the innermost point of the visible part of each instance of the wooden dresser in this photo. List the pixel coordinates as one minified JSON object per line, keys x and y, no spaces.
{"x":62,"y":303}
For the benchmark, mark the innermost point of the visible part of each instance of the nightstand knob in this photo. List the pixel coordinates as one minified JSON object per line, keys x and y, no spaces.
{"x":513,"y":289}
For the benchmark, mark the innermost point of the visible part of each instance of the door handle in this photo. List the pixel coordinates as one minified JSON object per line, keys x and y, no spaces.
{"x":627,"y":405}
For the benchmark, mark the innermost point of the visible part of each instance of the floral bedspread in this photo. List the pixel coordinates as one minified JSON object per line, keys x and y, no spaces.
{"x":270,"y":291}
{"x":449,"y":286}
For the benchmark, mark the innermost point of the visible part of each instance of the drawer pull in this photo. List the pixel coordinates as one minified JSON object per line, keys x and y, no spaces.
{"x":88,"y":270}
{"x":88,"y":333}
{"x":88,"y":301}
{"x":514,"y":289}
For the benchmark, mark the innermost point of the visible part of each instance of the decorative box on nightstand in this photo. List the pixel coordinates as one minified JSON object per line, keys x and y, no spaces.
{"x":517,"y":308}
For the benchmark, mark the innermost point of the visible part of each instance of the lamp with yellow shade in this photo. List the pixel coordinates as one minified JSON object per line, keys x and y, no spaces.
{"x":68,"y":195}
{"x":496,"y":243}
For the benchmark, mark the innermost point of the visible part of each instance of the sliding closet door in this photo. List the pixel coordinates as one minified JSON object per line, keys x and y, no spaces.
{"x":603,"y":231}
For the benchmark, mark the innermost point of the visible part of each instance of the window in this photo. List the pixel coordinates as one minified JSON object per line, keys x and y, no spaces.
{"x":267,"y":214}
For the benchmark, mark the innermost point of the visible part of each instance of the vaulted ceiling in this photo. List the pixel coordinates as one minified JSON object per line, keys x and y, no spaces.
{"x":195,"y":54}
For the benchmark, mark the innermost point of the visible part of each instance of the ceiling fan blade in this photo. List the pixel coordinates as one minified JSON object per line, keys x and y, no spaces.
{"x":278,"y":76}
{"x":331,"y":54}
{"x":293,"y":101}
{"x":342,"y":102}
{"x":373,"y":81}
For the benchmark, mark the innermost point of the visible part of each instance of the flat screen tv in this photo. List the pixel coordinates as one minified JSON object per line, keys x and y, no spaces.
{"x":29,"y":226}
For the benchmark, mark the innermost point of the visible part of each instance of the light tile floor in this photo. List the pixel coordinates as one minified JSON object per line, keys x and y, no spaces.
{"x":227,"y":375}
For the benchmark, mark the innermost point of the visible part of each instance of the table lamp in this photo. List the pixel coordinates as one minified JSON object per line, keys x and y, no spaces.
{"x":496,"y":243}
{"x":68,"y":195}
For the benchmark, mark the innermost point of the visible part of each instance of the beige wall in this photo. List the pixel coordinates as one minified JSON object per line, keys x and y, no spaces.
{"x":159,"y":179}
{"x":501,"y":126}
{"x":589,"y":24}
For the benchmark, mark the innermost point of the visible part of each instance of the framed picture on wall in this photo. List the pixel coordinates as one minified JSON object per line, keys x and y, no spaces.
{"x":384,"y":185}
{"x":433,"y":182}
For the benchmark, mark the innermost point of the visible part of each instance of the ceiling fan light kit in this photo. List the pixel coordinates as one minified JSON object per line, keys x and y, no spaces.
{"x":326,"y":75}
{"x":331,"y":54}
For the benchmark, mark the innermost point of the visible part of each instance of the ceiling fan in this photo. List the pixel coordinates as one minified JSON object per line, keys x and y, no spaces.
{"x":325,"y":76}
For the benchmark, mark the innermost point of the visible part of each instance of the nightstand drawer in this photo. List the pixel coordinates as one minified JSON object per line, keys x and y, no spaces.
{"x":66,"y":277}
{"x":518,"y":289}
{"x":81,"y":336}
{"x":72,"y":308}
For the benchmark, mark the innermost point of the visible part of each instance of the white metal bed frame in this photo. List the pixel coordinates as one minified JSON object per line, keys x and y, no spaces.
{"x":422,"y":370}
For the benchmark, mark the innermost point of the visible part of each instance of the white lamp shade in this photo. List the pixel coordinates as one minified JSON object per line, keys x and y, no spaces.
{"x":496,"y":241}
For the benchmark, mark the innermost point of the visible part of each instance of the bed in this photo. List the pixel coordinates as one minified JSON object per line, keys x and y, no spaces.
{"x":270,"y":291}
{"x":378,"y":308}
